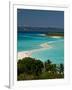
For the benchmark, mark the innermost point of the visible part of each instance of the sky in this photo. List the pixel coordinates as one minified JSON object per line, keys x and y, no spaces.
{"x":40,"y":18}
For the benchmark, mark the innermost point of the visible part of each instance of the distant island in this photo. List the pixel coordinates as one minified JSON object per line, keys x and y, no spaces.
{"x":50,"y":31}
{"x":55,"y":34}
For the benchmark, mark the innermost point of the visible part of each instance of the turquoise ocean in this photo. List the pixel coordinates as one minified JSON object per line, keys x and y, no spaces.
{"x":32,"y":41}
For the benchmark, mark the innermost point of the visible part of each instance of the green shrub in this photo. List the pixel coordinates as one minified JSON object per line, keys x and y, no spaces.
{"x":32,"y":69}
{"x":30,"y":66}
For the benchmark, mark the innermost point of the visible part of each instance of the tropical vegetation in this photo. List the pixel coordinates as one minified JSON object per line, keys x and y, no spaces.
{"x":31,"y":69}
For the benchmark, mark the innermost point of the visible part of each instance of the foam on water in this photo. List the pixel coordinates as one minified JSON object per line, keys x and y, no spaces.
{"x":32,"y":42}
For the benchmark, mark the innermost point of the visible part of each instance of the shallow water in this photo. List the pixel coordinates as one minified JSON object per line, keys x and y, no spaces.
{"x":27,"y":41}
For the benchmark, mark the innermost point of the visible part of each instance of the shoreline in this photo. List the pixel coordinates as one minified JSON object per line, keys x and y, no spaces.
{"x":55,"y":34}
{"x":24,"y":54}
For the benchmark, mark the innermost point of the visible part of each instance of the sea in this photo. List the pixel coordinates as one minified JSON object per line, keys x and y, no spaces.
{"x":32,"y":41}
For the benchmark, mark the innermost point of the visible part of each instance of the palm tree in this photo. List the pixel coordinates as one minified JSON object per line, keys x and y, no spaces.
{"x":61,"y":68}
{"x":48,"y":65}
{"x":54,"y":68}
{"x":48,"y":61}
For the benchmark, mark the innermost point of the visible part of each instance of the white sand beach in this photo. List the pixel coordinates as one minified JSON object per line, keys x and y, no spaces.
{"x":56,"y":36}
{"x":24,"y":54}
{"x":45,"y":45}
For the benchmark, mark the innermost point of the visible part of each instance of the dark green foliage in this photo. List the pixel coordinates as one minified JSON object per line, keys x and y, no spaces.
{"x":24,"y":76}
{"x":48,"y":61}
{"x":50,"y":67}
{"x":50,"y":75}
{"x":29,"y":66}
{"x":30,"y":69}
{"x":61,"y":68}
